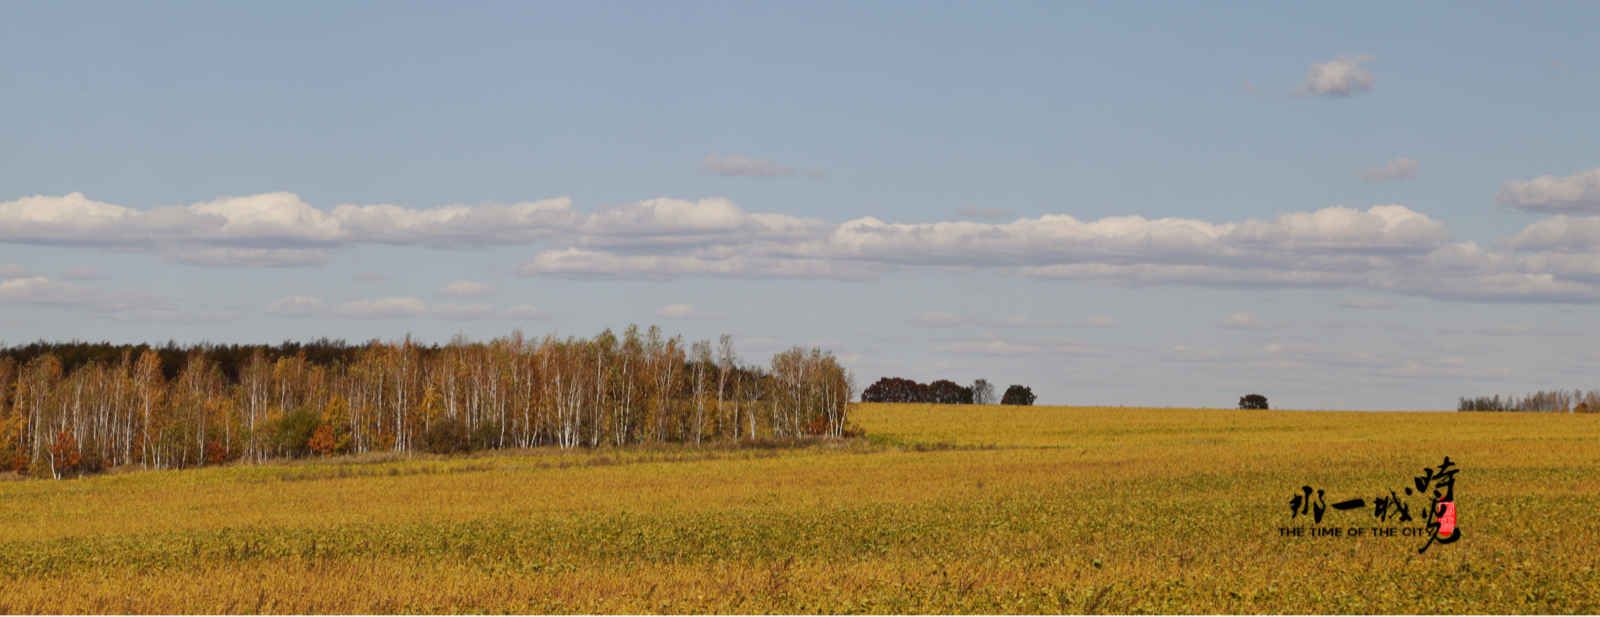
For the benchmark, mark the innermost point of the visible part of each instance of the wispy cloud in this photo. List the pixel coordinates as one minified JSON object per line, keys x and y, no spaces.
{"x":684,"y":311}
{"x":296,"y":306}
{"x":1315,"y":360}
{"x":13,"y":271}
{"x":404,"y":307}
{"x":1395,"y":169}
{"x":41,"y":292}
{"x":1246,"y":321}
{"x":735,"y":165}
{"x":466,"y":289}
{"x":1338,"y":78}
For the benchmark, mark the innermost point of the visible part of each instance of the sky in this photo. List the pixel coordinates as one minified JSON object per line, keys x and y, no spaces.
{"x":1372,"y":206}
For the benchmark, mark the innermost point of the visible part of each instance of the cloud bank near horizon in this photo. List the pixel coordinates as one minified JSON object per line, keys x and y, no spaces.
{"x":1385,"y":248}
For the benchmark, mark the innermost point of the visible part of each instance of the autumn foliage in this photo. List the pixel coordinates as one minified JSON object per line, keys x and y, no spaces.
{"x":640,"y":387}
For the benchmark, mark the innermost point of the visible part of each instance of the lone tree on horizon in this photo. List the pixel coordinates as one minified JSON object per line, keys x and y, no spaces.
{"x":982,"y":392}
{"x":1252,"y":401}
{"x":1018,"y":395}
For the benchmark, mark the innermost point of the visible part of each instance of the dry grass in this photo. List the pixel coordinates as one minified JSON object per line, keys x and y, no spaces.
{"x":940,"y":509}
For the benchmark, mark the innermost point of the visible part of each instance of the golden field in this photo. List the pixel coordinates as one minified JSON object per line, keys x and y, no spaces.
{"x":937,"y":509}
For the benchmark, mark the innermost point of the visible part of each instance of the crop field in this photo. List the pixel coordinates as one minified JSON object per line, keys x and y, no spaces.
{"x":936,"y":509}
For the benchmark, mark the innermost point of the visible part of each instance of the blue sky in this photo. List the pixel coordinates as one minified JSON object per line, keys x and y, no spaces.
{"x":890,"y":181}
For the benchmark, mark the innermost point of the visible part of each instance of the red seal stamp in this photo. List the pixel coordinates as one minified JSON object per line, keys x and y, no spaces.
{"x":1447,"y":517}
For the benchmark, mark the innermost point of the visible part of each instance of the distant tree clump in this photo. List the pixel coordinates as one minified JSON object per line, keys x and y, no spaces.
{"x":943,"y":392}
{"x":1555,"y":401}
{"x":895,"y":390}
{"x":1252,"y":401}
{"x":68,"y":409}
{"x":1018,"y":395}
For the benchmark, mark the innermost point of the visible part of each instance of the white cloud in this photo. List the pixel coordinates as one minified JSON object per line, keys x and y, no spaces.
{"x":41,"y":292}
{"x":735,"y":165}
{"x":82,"y":273}
{"x":74,"y":220}
{"x":1575,"y":194}
{"x":972,"y":212}
{"x":466,"y":289}
{"x":458,"y":227}
{"x":1339,"y":78}
{"x":1366,"y":303}
{"x":1387,"y":249}
{"x":677,"y":221}
{"x":589,"y":264}
{"x":1560,"y":233}
{"x":1062,"y":240}
{"x":1246,"y":321}
{"x":684,"y":311}
{"x":13,"y":271}
{"x":1395,"y":169}
{"x":272,"y":229}
{"x":1390,"y":249}
{"x":296,"y":306}
{"x":1100,"y":321}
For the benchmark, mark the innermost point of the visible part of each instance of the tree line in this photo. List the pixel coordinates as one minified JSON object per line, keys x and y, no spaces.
{"x":943,"y":392}
{"x":1555,"y":401}
{"x":77,"y":408}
